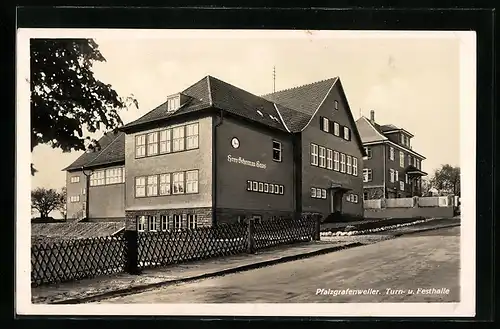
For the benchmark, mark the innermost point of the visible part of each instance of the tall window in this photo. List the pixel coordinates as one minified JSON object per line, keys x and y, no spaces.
{"x":164,"y":222}
{"x":152,"y":185}
{"x":418,"y":164}
{"x":391,"y":153}
{"x":97,"y":178}
{"x":401,"y":186}
{"x":141,"y":223}
{"x":396,"y":175}
{"x":152,"y":141}
{"x":391,"y":173}
{"x":347,"y":134}
{"x":336,"y":166}
{"x":322,"y":157}
{"x":276,"y":151}
{"x":152,"y":223}
{"x":192,"y":136}
{"x":75,"y":179}
{"x":336,"y":129}
{"x":342,"y":162}
{"x":401,"y":159}
{"x":140,"y":186}
{"x":415,"y":162}
{"x":406,"y":178}
{"x":349,"y":165}
{"x":178,"y":139}
{"x":329,"y":159}
{"x":192,"y":221}
{"x":325,"y":124}
{"x":165,"y":141}
{"x":355,"y":166}
{"x":178,"y":182}
{"x":192,"y":181}
{"x":409,"y":159}
{"x":314,"y":154}
{"x":367,"y":175}
{"x":140,"y":146}
{"x":165,"y":188}
{"x":114,"y":175}
{"x":177,"y":222}
{"x":368,"y":152}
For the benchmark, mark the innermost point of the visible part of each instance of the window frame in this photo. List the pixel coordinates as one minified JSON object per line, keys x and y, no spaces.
{"x":329,"y":159}
{"x":321,"y":158}
{"x":152,"y":225}
{"x":325,"y":124}
{"x":74,"y":198}
{"x":368,"y":151}
{"x":336,"y":104}
{"x":74,"y":179}
{"x":141,"y":223}
{"x":190,"y":219}
{"x":314,"y":156}
{"x":336,"y":129}
{"x":349,"y":164}
{"x":187,"y":180}
{"x":391,"y":153}
{"x":279,"y":150}
{"x":154,"y":179}
{"x":342,"y":163}
{"x":401,"y":159}
{"x":192,"y":136}
{"x":164,"y":223}
{"x":367,"y":175}
{"x":336,"y":161}
{"x":143,"y":186}
{"x":354,"y":166}
{"x":347,"y":132}
{"x":168,"y":184}
{"x":174,"y":181}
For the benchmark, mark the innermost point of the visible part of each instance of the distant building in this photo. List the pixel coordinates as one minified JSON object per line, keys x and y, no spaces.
{"x":215,"y":153}
{"x":392,"y":169}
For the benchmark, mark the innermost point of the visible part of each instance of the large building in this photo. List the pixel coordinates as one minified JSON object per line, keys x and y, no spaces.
{"x":215,"y":153}
{"x":392,"y":169}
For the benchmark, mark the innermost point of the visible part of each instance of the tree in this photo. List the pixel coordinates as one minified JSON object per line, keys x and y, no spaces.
{"x":45,"y":200}
{"x":62,"y":206}
{"x":426,"y":186}
{"x":66,"y":96}
{"x":447,"y":180}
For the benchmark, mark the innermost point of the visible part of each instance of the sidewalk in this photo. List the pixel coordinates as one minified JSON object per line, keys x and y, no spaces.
{"x":93,"y":289}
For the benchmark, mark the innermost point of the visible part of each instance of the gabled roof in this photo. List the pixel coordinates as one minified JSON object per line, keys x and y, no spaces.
{"x":112,"y":149}
{"x":212,"y":93}
{"x":369,"y":131}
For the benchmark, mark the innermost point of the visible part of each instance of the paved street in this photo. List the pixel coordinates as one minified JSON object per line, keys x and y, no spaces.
{"x":385,"y":271}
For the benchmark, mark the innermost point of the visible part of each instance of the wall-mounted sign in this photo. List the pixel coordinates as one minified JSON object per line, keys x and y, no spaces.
{"x":245,"y":162}
{"x":235,"y":143}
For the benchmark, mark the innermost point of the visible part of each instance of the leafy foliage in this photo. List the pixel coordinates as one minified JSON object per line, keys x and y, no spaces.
{"x":447,"y":180}
{"x":46,"y":200}
{"x":66,"y":96}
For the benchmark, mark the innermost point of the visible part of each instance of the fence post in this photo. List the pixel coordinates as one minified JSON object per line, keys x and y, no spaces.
{"x":251,"y":236}
{"x":317,"y":227}
{"x":131,"y":252}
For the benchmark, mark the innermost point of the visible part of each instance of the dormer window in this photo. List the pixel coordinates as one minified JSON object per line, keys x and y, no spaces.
{"x":173,"y":102}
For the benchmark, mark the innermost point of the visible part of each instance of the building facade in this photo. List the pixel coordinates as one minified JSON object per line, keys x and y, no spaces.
{"x":392,"y":169}
{"x":215,"y":153}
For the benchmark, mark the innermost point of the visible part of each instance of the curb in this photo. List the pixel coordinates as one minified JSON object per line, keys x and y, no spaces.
{"x":242,"y":268}
{"x":425,"y":230}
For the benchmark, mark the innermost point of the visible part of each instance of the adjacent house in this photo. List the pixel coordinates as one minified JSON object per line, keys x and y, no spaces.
{"x":215,"y":153}
{"x":392,"y":169}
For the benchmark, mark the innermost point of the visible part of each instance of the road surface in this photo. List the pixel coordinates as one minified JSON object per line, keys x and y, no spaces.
{"x":427,"y":263}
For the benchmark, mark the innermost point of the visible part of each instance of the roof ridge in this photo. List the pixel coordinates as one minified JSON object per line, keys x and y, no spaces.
{"x":301,"y":86}
{"x":246,"y":91}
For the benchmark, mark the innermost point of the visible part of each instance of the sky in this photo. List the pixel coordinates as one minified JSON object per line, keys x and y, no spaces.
{"x":412,"y":83}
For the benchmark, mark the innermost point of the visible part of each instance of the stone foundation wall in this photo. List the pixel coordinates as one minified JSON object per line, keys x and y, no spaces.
{"x":227,"y":216}
{"x":204,"y":216}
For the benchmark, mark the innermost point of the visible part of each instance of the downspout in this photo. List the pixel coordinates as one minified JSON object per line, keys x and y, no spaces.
{"x":214,"y":167}
{"x":384,"y":168}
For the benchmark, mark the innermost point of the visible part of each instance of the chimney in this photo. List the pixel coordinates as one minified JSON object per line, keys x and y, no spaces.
{"x":372,"y":116}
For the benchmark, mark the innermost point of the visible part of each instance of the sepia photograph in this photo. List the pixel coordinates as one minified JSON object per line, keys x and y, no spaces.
{"x":232,"y":172}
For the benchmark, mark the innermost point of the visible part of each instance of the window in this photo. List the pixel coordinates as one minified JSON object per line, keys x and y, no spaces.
{"x":178,"y":139}
{"x":396,"y":175}
{"x":406,"y":178}
{"x":271,"y":188}
{"x":342,"y":162}
{"x":165,"y":141}
{"x":415,"y":162}
{"x":75,"y":179}
{"x":178,"y":182}
{"x":276,"y":151}
{"x":391,"y":153}
{"x":152,"y":186}
{"x":249,"y":185}
{"x":348,"y":197}
{"x":266,"y":188}
{"x":347,"y":134}
{"x":74,"y":198}
{"x":140,"y":146}
{"x":173,"y":103}
{"x":192,"y":222}
{"x":313,"y":192}
{"x":325,"y":124}
{"x":336,"y":103}
{"x":365,"y":195}
{"x":336,"y":161}
{"x":164,"y":223}
{"x":192,"y":181}
{"x":192,"y":136}
{"x":354,"y":198}
{"x":84,"y":190}
{"x":401,"y":159}
{"x":329,"y":159}
{"x":114,"y":176}
{"x":152,"y":143}
{"x":336,"y":129}
{"x":418,"y":164}
{"x":401,"y":186}
{"x":314,"y":154}
{"x":367,"y":175}
{"x":276,"y":189}
{"x":261,"y":187}
{"x":355,"y":166}
{"x":409,"y":159}
{"x":140,"y":186}
{"x":177,"y":223}
{"x":318,"y":193}
{"x":322,"y":157}
{"x":368,"y":152}
{"x":323,"y":194}
{"x":97,"y":178}
{"x":391,"y":173}
{"x":165,"y":187}
{"x":349,"y":165}
{"x":141,"y":223}
{"x":282,"y":189}
{"x":152,"y":223}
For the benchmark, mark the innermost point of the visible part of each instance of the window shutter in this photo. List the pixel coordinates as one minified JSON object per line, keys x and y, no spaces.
{"x":321,"y":123}
{"x":330,"y":128}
